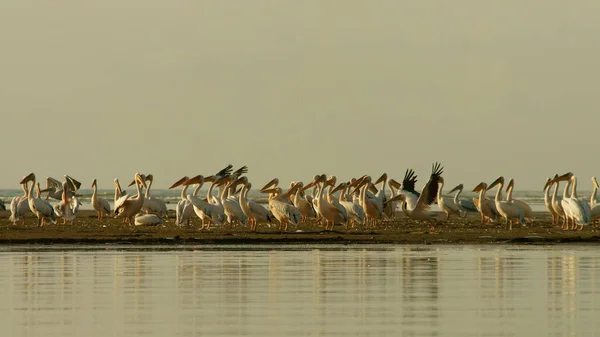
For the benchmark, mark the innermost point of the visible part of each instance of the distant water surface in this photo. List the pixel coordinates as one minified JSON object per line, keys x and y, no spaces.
{"x":300,"y":291}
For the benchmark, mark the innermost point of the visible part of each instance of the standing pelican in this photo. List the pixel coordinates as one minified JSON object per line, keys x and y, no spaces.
{"x":66,"y":207}
{"x":527,"y":211}
{"x":282,"y":210}
{"x":548,"y":200}
{"x":463,"y":205}
{"x":154,"y":205}
{"x":446,"y":204}
{"x":417,"y":205}
{"x":580,"y":210}
{"x":507,"y":209}
{"x":254,"y":211}
{"x":184,"y":208}
{"x":19,"y":206}
{"x":556,"y":201}
{"x":593,"y":203}
{"x":127,"y":207}
{"x":100,"y":205}
{"x":486,"y":207}
{"x":355,"y":213}
{"x":207,"y":212}
{"x":41,"y":208}
{"x":304,"y":205}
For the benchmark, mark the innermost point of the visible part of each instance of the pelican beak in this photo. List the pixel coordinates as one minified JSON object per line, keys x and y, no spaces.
{"x":27,"y":178}
{"x":268,"y":190}
{"x":372,"y":188}
{"x":382,"y":178}
{"x":496,"y":182}
{"x":338,"y":188}
{"x":271,"y":183}
{"x":396,"y":198}
{"x":179,"y":182}
{"x":479,"y":187}
{"x":93,"y":183}
{"x":548,"y":183}
{"x":565,"y":176}
{"x":458,"y":187}
{"x":132,"y":182}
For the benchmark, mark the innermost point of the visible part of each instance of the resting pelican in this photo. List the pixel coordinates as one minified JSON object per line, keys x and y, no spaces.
{"x":282,"y":210}
{"x":67,"y":207}
{"x":151,"y":204}
{"x":142,"y":219}
{"x":485,"y":206}
{"x":100,"y":205}
{"x":184,"y":208}
{"x":593,"y":203}
{"x":463,"y":205}
{"x":507,"y":209}
{"x":253,"y":211}
{"x":19,"y":206}
{"x":127,"y":207}
{"x":581,"y":213}
{"x":41,"y":208}
{"x":528,"y":212}
{"x":446,"y":204}
{"x":417,"y":205}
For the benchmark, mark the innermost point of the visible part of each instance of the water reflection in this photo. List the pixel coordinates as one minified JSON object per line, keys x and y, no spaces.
{"x":466,"y":291}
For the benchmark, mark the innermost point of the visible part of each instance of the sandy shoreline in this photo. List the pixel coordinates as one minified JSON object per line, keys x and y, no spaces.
{"x":88,"y":230}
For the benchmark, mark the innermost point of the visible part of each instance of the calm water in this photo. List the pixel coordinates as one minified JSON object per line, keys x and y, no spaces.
{"x":301,"y":291}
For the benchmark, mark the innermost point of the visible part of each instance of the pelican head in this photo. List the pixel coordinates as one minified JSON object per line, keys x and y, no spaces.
{"x":482,"y":186}
{"x":339,"y":187}
{"x":272,"y":183}
{"x":595,"y":182}
{"x":511,"y":184}
{"x":179,"y":182}
{"x":150,"y":178}
{"x":458,"y":187}
{"x":500,"y":181}
{"x":382,"y":178}
{"x":548,"y":183}
{"x":94,"y":183}
{"x":199,"y":179}
{"x":564,"y":177}
{"x":28,"y":178}
{"x":393,"y":183}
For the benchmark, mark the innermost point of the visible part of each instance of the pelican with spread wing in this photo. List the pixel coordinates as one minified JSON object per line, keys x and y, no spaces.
{"x":417,"y":205}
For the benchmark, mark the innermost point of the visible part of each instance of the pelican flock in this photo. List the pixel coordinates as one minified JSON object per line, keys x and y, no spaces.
{"x":356,"y":203}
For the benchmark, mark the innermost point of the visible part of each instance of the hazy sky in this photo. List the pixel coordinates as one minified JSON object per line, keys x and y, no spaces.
{"x":104,"y":89}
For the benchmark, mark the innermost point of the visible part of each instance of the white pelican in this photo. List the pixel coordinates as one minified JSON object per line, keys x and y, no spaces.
{"x":388,"y":209}
{"x":184,"y":208}
{"x":304,"y":205}
{"x":581,"y":213}
{"x":417,"y":205}
{"x":151,"y":204}
{"x":206,"y":211}
{"x":508,"y":210}
{"x":41,"y":208}
{"x":463,"y":205}
{"x":142,"y":219}
{"x":282,"y":210}
{"x":372,"y":207}
{"x":331,"y":213}
{"x":446,"y":204}
{"x":528,"y":212}
{"x":331,"y":184}
{"x":100,"y":205}
{"x":564,"y":203}
{"x":126,"y":206}
{"x":556,"y":201}
{"x":593,"y":203}
{"x":19,"y":206}
{"x":231,"y":206}
{"x":66,"y":208}
{"x":254,"y":211}
{"x":355,"y":212}
{"x":485,"y":206}
{"x":54,"y":188}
